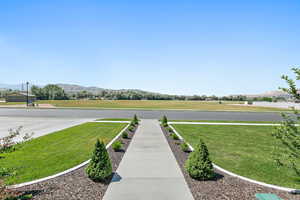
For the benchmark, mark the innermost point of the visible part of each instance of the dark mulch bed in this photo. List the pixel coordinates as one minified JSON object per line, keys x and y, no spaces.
{"x":76,"y":185}
{"x":223,"y":187}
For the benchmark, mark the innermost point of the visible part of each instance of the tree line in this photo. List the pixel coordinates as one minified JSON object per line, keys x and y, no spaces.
{"x":55,"y":92}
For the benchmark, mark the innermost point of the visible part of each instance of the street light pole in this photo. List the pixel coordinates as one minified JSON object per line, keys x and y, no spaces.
{"x":27,"y":83}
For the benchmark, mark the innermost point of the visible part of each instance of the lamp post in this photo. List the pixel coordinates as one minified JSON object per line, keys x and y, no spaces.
{"x":27,"y":99}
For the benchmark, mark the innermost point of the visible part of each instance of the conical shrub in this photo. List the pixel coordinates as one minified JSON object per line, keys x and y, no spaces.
{"x":99,"y":168}
{"x":164,"y":120}
{"x":135,"y":120}
{"x":199,"y":165}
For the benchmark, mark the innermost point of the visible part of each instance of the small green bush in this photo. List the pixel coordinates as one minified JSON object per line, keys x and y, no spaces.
{"x":135,"y":120}
{"x":174,"y":136}
{"x":99,"y":168}
{"x":131,"y":128}
{"x":132,"y":124}
{"x":184,"y":147}
{"x":125,"y":135}
{"x":199,"y":165}
{"x":164,"y":120}
{"x":164,"y":125}
{"x":170,"y":130}
{"x":117,"y":146}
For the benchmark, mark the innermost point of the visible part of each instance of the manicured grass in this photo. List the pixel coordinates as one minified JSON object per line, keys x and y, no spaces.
{"x":56,"y":152}
{"x":224,"y":121}
{"x":12,"y":103}
{"x":244,"y":150}
{"x":114,"y":119}
{"x":155,"y":105}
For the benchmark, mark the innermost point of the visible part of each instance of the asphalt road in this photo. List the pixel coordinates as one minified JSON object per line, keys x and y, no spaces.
{"x":144,"y":114}
{"x":38,"y":126}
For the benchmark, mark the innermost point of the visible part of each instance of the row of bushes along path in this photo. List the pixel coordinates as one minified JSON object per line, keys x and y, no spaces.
{"x":222,"y":186}
{"x":149,"y":169}
{"x":76,"y":185}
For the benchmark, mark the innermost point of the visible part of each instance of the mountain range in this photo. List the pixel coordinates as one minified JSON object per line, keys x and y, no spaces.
{"x":73,"y":88}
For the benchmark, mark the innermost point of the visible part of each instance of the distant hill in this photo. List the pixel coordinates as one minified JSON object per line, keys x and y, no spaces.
{"x":72,"y":88}
{"x":276,"y":93}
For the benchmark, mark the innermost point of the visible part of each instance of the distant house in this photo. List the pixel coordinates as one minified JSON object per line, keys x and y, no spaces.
{"x":20,"y":97}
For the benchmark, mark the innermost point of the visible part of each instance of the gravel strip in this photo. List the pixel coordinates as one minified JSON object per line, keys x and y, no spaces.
{"x":223,"y":187}
{"x":76,"y":185}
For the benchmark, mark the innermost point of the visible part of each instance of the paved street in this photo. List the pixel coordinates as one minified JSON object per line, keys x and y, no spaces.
{"x":149,"y":169}
{"x":40,"y":126}
{"x":44,"y":121}
{"x":144,"y":114}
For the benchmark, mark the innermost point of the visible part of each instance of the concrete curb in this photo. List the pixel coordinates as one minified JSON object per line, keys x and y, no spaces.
{"x":290,"y":190}
{"x":67,"y":171}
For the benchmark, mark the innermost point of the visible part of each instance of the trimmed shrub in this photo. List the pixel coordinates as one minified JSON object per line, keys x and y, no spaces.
{"x":99,"y":168}
{"x":174,"y":136}
{"x":135,"y":120}
{"x":132,"y":124}
{"x":117,"y":146}
{"x":125,"y":135}
{"x":131,"y":128}
{"x":164,"y":120}
{"x":170,"y":130}
{"x":184,"y":147}
{"x":199,"y":165}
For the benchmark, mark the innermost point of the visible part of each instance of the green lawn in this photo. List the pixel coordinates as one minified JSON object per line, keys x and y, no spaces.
{"x":114,"y":119}
{"x":56,"y":152}
{"x":244,"y":150}
{"x":156,"y":105}
{"x":12,"y":103}
{"x":224,"y":121}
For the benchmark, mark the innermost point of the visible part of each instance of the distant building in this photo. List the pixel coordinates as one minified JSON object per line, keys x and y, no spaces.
{"x":20,"y":97}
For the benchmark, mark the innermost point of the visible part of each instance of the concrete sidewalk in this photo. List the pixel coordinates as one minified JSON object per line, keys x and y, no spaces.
{"x":149,"y":169}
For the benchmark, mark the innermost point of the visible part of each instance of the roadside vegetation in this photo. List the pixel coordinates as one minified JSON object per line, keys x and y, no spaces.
{"x":56,"y":152}
{"x":244,"y":150}
{"x":156,"y":105}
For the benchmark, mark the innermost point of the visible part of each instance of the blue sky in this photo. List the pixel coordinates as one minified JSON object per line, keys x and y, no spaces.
{"x":182,"y":47}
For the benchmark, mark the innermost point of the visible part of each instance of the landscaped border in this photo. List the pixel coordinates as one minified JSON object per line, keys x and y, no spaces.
{"x":73,"y":168}
{"x":285,"y":189}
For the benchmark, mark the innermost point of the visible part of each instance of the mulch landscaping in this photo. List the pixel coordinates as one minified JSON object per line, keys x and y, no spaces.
{"x":76,"y":184}
{"x":223,"y":186}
